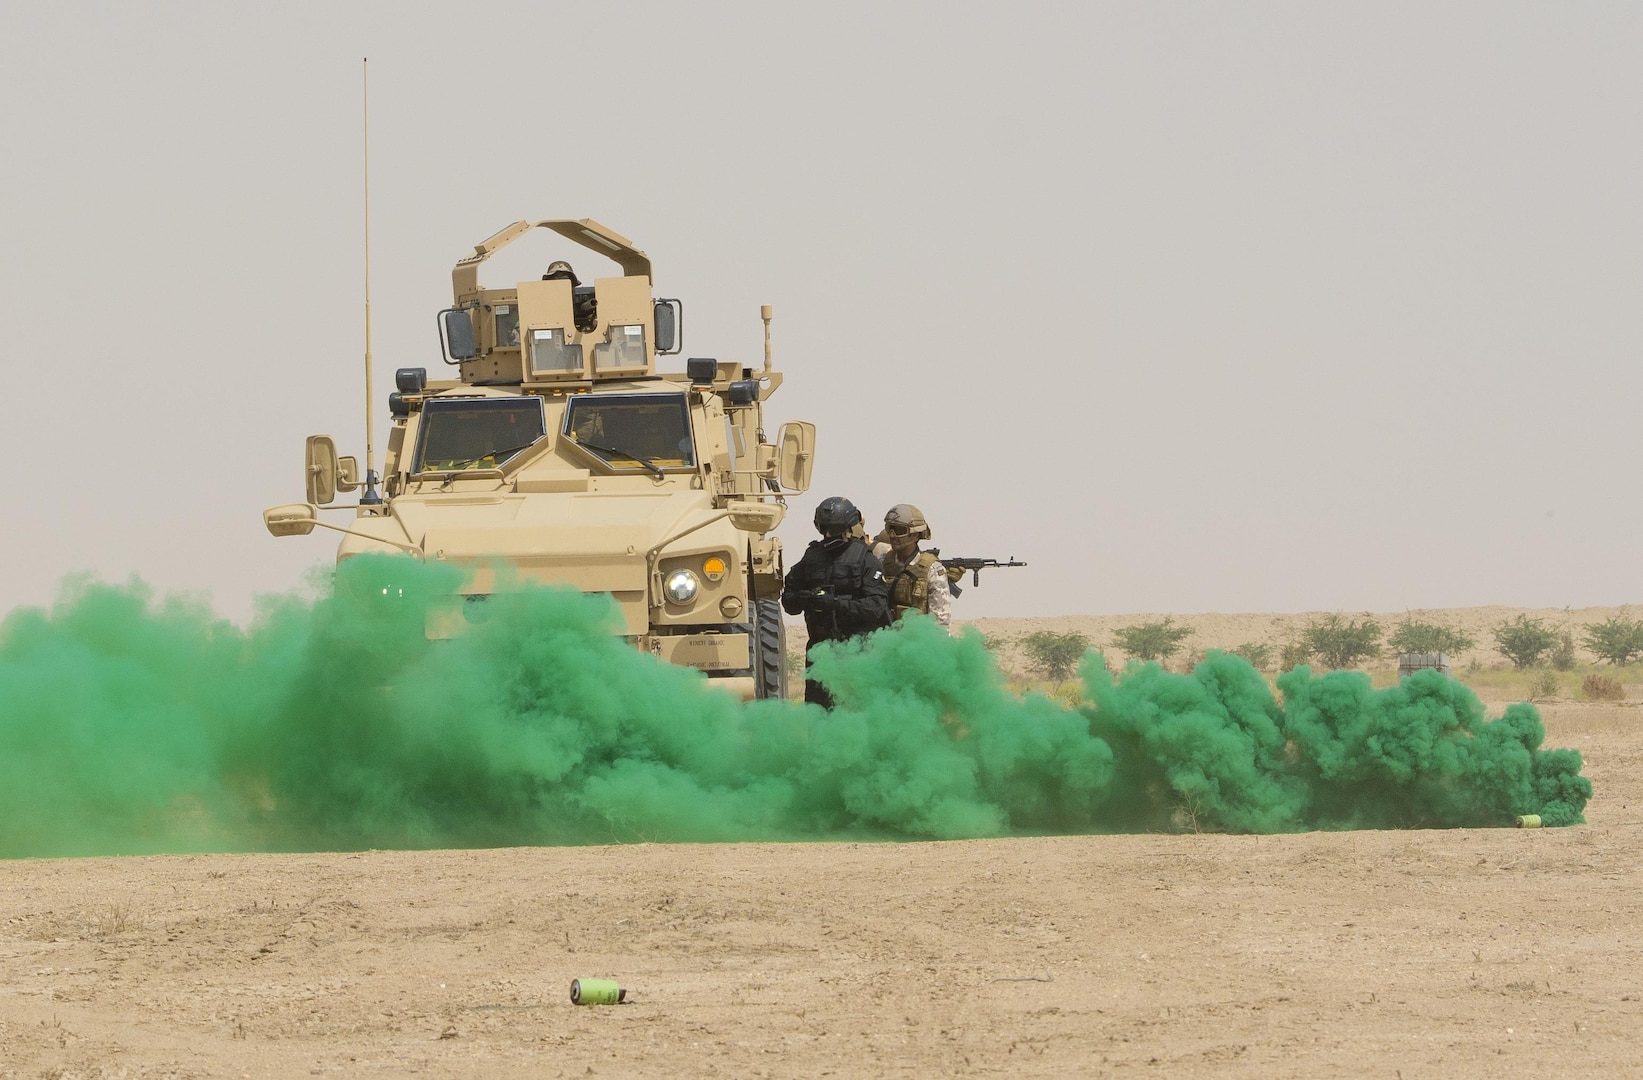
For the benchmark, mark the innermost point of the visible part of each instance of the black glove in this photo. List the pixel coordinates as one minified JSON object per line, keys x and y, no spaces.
{"x":821,"y":601}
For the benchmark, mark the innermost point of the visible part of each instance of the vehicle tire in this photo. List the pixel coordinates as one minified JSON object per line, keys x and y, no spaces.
{"x":769,"y":635}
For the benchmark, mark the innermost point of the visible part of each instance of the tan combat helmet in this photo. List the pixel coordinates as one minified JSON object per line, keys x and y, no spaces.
{"x":560,"y":270}
{"x":905,"y":517}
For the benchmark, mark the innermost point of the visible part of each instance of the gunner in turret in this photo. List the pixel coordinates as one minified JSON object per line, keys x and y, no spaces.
{"x":583,"y":302}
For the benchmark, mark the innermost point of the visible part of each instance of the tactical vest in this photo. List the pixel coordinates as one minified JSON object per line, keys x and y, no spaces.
{"x":909,"y":583}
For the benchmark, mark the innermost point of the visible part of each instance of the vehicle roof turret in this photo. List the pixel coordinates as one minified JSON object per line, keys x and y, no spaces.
{"x":558,"y":330}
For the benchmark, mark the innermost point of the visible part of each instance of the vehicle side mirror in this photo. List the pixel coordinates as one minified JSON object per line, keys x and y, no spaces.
{"x":797,"y":443}
{"x":459,"y":334}
{"x":321,"y":466}
{"x":347,"y":474}
{"x":670,"y":317}
{"x":292,"y":519}
{"x":756,"y":517}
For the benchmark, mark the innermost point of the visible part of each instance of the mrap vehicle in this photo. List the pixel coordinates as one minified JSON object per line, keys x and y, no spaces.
{"x":559,"y":455}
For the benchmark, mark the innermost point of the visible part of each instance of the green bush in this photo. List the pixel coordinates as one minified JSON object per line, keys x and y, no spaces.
{"x":1259,"y":654}
{"x":1524,"y":641}
{"x":1056,"y":655}
{"x":1617,"y":640}
{"x":1294,"y":654}
{"x":1340,"y":643}
{"x":1562,"y":656}
{"x":1420,"y":637}
{"x":1153,"y":640}
{"x":1543,"y":686}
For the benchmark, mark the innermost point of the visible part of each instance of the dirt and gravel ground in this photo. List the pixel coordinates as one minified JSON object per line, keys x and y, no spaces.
{"x":1456,"y":954}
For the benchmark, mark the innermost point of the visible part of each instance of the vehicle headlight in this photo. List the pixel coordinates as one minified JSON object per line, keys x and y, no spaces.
{"x":681,"y":586}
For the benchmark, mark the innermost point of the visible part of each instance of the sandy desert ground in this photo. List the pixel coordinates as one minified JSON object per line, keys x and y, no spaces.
{"x":1399,"y":954}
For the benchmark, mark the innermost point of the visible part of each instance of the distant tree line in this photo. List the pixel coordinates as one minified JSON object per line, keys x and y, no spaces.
{"x":1335,"y":641}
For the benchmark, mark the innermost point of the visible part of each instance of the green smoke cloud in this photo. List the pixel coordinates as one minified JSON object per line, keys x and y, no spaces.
{"x":134,"y":724}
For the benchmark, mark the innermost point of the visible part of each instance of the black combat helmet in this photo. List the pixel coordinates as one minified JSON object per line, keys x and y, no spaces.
{"x":836,"y":514}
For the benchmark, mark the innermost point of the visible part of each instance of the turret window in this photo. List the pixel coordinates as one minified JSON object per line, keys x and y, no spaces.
{"x":551,"y":356}
{"x":623,"y":347}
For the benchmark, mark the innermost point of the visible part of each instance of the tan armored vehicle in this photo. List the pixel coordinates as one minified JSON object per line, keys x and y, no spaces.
{"x":562,"y":456}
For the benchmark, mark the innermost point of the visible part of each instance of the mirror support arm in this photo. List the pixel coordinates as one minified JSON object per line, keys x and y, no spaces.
{"x":412,"y":548}
{"x":704,"y":523}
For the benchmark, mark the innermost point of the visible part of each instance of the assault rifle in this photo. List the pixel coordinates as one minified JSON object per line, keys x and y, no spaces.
{"x":956,"y":567}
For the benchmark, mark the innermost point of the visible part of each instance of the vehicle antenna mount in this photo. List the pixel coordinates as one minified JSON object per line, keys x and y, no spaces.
{"x":764,"y":313}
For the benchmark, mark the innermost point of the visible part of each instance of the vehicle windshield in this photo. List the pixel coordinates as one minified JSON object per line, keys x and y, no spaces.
{"x":476,"y":433}
{"x":632,"y":431}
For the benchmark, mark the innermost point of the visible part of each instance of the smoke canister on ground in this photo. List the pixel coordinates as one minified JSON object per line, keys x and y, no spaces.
{"x":1528,"y":821}
{"x":597,"y":992}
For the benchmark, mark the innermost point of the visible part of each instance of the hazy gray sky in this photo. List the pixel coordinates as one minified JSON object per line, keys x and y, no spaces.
{"x":1192,"y":307}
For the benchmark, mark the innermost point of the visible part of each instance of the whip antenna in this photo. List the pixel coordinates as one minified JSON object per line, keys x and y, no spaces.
{"x":370,"y":498}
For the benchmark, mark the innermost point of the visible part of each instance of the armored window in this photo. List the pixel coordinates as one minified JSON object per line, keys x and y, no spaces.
{"x":623,"y":347}
{"x":507,"y":326}
{"x":476,"y":433}
{"x":551,"y":356}
{"x":632,"y":431}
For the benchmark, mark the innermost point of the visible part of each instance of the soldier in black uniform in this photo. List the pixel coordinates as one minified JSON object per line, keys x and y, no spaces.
{"x":838,"y":584}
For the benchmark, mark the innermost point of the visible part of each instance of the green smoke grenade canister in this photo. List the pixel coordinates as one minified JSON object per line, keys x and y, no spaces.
{"x":597,"y":992}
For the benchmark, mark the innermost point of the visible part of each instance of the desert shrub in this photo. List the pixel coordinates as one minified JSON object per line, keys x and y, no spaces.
{"x":1259,"y":654}
{"x":1420,"y":637}
{"x":1055,"y":654}
{"x":1617,"y":639}
{"x":1067,"y":693}
{"x":1342,"y":642}
{"x":1603,"y":688}
{"x":1524,"y":641}
{"x":1294,"y":654}
{"x":1543,"y":685}
{"x":1562,"y":656}
{"x":1152,"y":641}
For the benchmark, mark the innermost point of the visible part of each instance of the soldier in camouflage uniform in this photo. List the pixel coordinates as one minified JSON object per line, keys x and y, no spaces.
{"x":918,"y":581}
